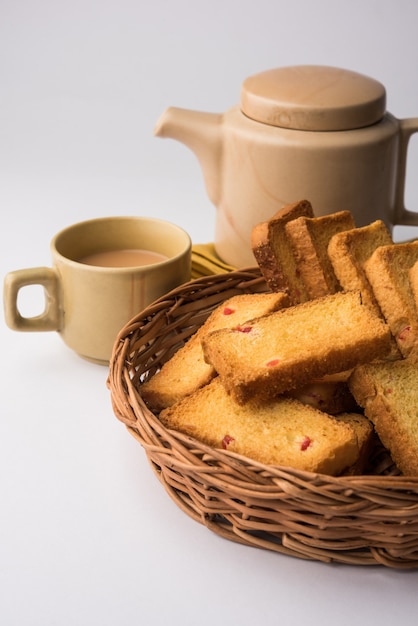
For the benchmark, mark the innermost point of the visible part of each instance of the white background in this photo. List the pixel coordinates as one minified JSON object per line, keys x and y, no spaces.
{"x":87,"y":534}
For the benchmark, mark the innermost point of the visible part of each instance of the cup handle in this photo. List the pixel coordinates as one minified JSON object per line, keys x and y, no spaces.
{"x":51,"y":317}
{"x":403,"y":216}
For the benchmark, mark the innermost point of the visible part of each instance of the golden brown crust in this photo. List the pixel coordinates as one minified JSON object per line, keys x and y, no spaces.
{"x":281,"y":351}
{"x":186,"y":371}
{"x":387,"y":271}
{"x":413,"y":279}
{"x":348,"y":252}
{"x":293,"y":359}
{"x":283,"y":432}
{"x":364,"y":430}
{"x":388,"y":392}
{"x":273,"y":251}
{"x":309,"y":238}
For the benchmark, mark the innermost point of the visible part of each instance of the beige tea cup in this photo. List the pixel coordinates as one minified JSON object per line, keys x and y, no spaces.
{"x":87,"y":303}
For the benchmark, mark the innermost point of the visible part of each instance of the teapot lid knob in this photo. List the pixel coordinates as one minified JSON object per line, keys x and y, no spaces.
{"x":313,"y":97}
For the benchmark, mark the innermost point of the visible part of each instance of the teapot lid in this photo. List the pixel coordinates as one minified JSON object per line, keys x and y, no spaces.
{"x":313,"y":97}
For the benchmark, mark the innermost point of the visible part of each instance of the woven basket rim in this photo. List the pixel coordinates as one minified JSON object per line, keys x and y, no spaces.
{"x":187,"y":468}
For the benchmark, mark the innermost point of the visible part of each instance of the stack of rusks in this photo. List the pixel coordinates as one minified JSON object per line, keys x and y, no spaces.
{"x":310,"y":373}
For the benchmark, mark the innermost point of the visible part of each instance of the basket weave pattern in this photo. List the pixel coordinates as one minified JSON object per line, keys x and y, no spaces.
{"x":363,"y":520}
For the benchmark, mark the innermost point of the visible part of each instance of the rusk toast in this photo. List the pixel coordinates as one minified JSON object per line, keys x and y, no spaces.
{"x":413,"y":279}
{"x":388,"y":272}
{"x":364,"y":430}
{"x":282,"y":432}
{"x":273,"y":251}
{"x":186,"y":371}
{"x":286,"y":349}
{"x":309,"y":237}
{"x":388,"y":393}
{"x":348,"y":251}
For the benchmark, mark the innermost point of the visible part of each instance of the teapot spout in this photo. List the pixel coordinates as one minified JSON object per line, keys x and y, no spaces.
{"x":202,"y":133}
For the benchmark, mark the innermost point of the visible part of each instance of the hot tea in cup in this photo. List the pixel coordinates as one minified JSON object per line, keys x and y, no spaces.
{"x":104,"y":272}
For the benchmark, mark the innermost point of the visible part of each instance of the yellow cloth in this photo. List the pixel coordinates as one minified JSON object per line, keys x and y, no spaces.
{"x":206,"y":262}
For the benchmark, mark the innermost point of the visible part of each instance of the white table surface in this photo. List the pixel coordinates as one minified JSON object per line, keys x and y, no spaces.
{"x":87,"y":533}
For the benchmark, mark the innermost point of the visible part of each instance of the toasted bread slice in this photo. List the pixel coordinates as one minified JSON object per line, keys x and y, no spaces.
{"x":281,"y":351}
{"x":348,"y":251}
{"x":282,"y":432}
{"x":388,"y":392}
{"x":309,"y":237}
{"x":273,"y":251}
{"x":186,"y":371}
{"x":413,"y":280}
{"x":364,"y":430}
{"x":387,"y":271}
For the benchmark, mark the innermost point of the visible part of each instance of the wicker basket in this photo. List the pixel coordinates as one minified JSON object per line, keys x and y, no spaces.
{"x":362,"y":520}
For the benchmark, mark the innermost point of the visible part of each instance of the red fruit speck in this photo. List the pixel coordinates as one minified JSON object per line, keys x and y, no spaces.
{"x":228,"y":311}
{"x":244,"y":329}
{"x":226,"y":441}
{"x":273,"y":362}
{"x":305,"y":443}
{"x":404,"y":333}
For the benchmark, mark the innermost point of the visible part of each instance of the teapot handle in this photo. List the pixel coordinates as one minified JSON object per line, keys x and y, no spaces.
{"x":403,"y":216}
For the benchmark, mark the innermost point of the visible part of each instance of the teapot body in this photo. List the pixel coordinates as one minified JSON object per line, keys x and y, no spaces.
{"x":314,"y":133}
{"x":264,"y":168}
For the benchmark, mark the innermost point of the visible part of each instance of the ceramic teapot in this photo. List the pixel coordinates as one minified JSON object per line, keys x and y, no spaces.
{"x":305,"y":132}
